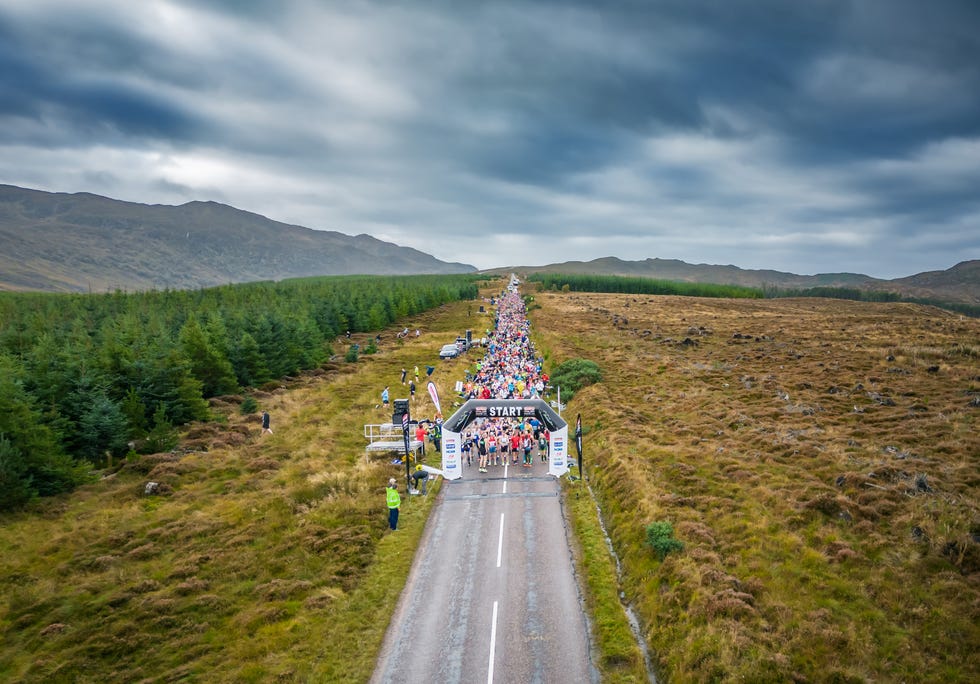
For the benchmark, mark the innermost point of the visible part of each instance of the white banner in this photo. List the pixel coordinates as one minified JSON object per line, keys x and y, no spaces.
{"x":558,"y":452}
{"x":452,"y":464}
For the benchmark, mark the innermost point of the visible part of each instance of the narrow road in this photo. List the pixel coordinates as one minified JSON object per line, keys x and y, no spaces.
{"x":491,"y":596}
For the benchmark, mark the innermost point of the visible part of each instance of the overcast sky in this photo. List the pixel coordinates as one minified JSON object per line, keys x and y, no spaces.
{"x":805,"y":136}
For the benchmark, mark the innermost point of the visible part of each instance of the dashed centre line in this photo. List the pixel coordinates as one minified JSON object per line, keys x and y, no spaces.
{"x":500,"y":540}
{"x":493,"y":643}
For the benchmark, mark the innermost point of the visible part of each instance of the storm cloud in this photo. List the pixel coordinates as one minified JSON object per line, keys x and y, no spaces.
{"x":817,"y":136}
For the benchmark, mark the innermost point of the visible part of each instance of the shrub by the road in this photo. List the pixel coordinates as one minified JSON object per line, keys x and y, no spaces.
{"x":660,"y":537}
{"x":575,"y":374}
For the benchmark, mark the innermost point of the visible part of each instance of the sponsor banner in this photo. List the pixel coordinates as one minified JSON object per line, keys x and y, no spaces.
{"x":451,"y":463}
{"x":558,"y":453}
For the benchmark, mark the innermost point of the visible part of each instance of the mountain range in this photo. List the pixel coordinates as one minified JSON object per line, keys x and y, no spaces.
{"x":83,"y":242}
{"x":960,"y":284}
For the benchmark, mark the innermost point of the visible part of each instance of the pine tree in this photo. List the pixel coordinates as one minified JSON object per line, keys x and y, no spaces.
{"x":163,"y":436}
{"x":102,"y":428}
{"x":249,"y":365}
{"x":15,"y":480}
{"x":207,"y":363}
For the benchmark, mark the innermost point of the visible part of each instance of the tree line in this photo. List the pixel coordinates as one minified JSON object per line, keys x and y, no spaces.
{"x":639,"y":285}
{"x":84,"y":376}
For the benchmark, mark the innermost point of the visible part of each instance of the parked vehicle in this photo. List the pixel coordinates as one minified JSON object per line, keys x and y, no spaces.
{"x":449,"y":351}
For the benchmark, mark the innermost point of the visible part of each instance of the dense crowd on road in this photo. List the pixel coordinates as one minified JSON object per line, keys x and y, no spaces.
{"x":509,"y":370}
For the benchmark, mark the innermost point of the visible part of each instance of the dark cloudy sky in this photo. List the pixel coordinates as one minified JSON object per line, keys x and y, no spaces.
{"x":806,"y":136}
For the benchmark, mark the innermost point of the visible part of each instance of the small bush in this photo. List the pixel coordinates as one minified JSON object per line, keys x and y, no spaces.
{"x":660,"y":537}
{"x":351,"y":355}
{"x":575,"y":374}
{"x":163,"y":436}
{"x":249,"y":405}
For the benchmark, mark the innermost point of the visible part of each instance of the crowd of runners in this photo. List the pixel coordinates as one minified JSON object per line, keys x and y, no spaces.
{"x":509,"y":370}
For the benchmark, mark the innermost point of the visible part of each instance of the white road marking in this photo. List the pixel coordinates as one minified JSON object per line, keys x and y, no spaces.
{"x":493,"y":643}
{"x":500,"y":540}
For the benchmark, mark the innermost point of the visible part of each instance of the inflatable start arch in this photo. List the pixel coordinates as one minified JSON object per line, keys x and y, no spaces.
{"x":452,"y":464}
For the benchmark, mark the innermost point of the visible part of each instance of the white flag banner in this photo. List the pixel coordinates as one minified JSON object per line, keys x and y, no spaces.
{"x":558,"y":452}
{"x":452,"y":464}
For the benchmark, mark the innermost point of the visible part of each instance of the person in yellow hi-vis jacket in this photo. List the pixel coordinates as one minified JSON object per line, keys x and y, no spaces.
{"x":394,"y":503}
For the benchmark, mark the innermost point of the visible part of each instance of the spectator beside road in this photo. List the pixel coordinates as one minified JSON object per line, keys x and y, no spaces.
{"x":394,"y":503}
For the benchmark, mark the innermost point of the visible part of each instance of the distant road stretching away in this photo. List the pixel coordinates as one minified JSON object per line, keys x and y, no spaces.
{"x":491,"y":596}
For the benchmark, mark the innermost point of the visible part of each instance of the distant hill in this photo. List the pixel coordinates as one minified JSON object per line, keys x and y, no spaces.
{"x":82,"y":242}
{"x":961,"y":283}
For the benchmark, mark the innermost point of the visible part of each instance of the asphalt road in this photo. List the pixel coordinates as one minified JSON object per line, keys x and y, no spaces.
{"x":491,"y":596}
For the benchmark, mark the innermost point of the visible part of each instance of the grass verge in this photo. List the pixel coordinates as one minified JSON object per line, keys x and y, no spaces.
{"x":617,"y":655}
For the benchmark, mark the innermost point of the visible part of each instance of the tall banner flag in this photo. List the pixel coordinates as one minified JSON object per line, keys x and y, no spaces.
{"x":408,"y":447}
{"x":578,"y":443}
{"x":435,"y":396}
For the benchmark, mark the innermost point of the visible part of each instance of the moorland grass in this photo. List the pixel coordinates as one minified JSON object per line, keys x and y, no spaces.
{"x":817,"y":458}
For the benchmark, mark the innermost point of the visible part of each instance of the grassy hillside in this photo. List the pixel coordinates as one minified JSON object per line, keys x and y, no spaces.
{"x":818,"y":459}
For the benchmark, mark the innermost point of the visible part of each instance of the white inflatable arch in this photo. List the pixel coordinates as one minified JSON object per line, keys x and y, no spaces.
{"x":452,"y":464}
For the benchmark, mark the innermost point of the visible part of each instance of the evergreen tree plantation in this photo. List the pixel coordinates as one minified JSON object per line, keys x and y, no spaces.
{"x":84,"y":376}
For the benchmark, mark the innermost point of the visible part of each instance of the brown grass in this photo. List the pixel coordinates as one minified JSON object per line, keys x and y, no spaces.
{"x":818,"y":458}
